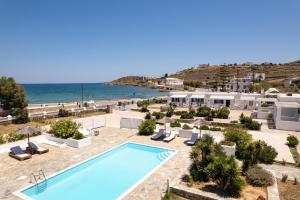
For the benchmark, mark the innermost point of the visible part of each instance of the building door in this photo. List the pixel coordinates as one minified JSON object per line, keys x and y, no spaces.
{"x":228,"y":103}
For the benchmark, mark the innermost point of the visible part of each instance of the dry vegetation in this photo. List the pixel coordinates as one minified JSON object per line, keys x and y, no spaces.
{"x":288,"y":191}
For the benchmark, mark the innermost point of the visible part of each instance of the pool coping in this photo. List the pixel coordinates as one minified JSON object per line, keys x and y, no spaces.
{"x":19,"y":193}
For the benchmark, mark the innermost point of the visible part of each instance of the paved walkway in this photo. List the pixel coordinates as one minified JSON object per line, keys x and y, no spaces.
{"x":279,"y":170}
{"x":15,"y":175}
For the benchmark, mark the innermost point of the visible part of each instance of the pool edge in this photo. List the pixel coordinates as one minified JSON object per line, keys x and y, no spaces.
{"x":21,"y":195}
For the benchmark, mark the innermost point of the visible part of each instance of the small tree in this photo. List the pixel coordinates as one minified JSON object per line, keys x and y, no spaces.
{"x":13,"y":100}
{"x":292,"y":141}
{"x":147,"y":127}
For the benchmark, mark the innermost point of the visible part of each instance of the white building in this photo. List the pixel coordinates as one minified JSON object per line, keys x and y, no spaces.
{"x":287,"y":116}
{"x":231,"y":100}
{"x":174,"y":83}
{"x":239,"y":84}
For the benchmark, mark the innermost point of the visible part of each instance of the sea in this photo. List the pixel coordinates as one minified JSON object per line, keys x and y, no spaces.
{"x":73,"y":92}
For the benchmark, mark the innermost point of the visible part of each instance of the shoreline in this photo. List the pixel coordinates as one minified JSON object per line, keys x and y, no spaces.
{"x":35,"y":107}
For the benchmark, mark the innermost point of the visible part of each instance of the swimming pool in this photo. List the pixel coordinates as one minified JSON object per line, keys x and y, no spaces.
{"x":109,"y":175}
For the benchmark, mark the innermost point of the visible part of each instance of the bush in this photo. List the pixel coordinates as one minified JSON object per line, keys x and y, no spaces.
{"x":175,"y":124}
{"x":240,"y":137}
{"x":64,"y":113}
{"x":158,"y":115}
{"x":78,"y":136}
{"x":264,"y":105}
{"x":225,"y":172}
{"x":204,"y":127}
{"x":21,"y":117}
{"x":12,"y":137}
{"x":259,"y":177}
{"x":227,"y":143}
{"x":144,"y":109}
{"x":148,"y":116}
{"x":169,"y":113}
{"x":234,"y":122}
{"x":186,"y":115}
{"x":209,"y":117}
{"x":215,"y":129}
{"x":185,"y":126}
{"x":147,"y":127}
{"x":2,"y":139}
{"x":203,"y":111}
{"x":292,"y":141}
{"x":64,"y":129}
{"x":222,"y":113}
{"x":249,"y":122}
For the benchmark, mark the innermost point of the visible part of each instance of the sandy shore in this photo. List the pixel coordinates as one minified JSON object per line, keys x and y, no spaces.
{"x":37,"y":108}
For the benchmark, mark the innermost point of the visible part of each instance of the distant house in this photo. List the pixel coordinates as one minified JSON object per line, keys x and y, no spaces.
{"x":174,"y":83}
{"x":257,"y":76}
{"x":287,"y":83}
{"x":239,"y":84}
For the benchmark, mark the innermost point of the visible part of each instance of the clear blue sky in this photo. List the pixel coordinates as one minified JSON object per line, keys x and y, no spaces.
{"x":94,"y":41}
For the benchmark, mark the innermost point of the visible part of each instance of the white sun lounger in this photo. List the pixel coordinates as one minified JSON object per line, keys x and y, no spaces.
{"x":172,"y":135}
{"x":159,"y":135}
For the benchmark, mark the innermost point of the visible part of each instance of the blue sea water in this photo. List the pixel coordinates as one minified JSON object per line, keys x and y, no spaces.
{"x":107,"y":176}
{"x":71,"y":92}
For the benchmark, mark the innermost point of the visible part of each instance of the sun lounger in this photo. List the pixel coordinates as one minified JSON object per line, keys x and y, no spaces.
{"x":172,"y":135}
{"x":159,"y":135}
{"x":193,"y":139}
{"x":17,"y":153}
{"x":34,"y":148}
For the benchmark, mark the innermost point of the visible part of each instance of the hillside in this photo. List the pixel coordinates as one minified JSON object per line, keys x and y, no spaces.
{"x":206,"y":75}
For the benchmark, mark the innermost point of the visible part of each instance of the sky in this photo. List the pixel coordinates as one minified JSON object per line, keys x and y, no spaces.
{"x":68,"y":41}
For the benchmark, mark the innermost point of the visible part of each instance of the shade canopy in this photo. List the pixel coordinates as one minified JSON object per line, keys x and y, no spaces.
{"x":198,"y":96}
{"x":178,"y":96}
{"x":28,"y":130}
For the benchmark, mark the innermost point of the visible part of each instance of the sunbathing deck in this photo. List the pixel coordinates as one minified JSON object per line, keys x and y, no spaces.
{"x":15,"y":174}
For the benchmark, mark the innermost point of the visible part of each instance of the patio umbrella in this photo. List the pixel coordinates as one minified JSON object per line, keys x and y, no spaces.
{"x":28,"y":131}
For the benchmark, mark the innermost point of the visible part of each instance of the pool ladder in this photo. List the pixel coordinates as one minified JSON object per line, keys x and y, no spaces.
{"x":40,"y":181}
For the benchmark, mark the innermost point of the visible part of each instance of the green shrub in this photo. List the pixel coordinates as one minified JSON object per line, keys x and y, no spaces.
{"x":249,"y":122}
{"x":12,"y":137}
{"x":240,"y":137}
{"x":158,"y":115}
{"x":292,"y":141}
{"x":144,"y":109}
{"x":64,"y":113}
{"x":78,"y":136}
{"x":225,"y":172}
{"x":227,"y":143}
{"x":175,"y":124}
{"x":234,"y":122}
{"x":186,"y":115}
{"x":64,"y":129}
{"x":2,"y":139}
{"x":259,"y":177}
{"x":185,"y":126}
{"x":204,"y":127}
{"x":21,"y":117}
{"x":203,"y":111}
{"x":222,"y":113}
{"x":147,"y":127}
{"x":264,"y":105}
{"x":215,"y":129}
{"x":209,"y":117}
{"x":169,"y":113}
{"x":148,"y":116}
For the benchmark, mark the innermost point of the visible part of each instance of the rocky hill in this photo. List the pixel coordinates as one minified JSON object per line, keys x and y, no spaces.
{"x":210,"y":74}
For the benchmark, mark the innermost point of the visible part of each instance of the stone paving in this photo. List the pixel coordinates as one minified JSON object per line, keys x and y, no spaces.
{"x":279,"y":170}
{"x":15,"y":175}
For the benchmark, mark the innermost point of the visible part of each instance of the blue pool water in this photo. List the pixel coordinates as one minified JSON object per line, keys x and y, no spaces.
{"x":104,"y":177}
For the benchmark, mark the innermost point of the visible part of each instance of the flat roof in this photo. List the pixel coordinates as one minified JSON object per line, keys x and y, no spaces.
{"x":229,"y":97}
{"x":267,"y":99}
{"x":247,"y":98}
{"x":178,"y":96}
{"x":288,"y":104}
{"x":198,"y":96}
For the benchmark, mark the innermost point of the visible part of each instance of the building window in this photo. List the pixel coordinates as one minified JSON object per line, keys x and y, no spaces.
{"x":218,"y":101}
{"x":290,"y":114}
